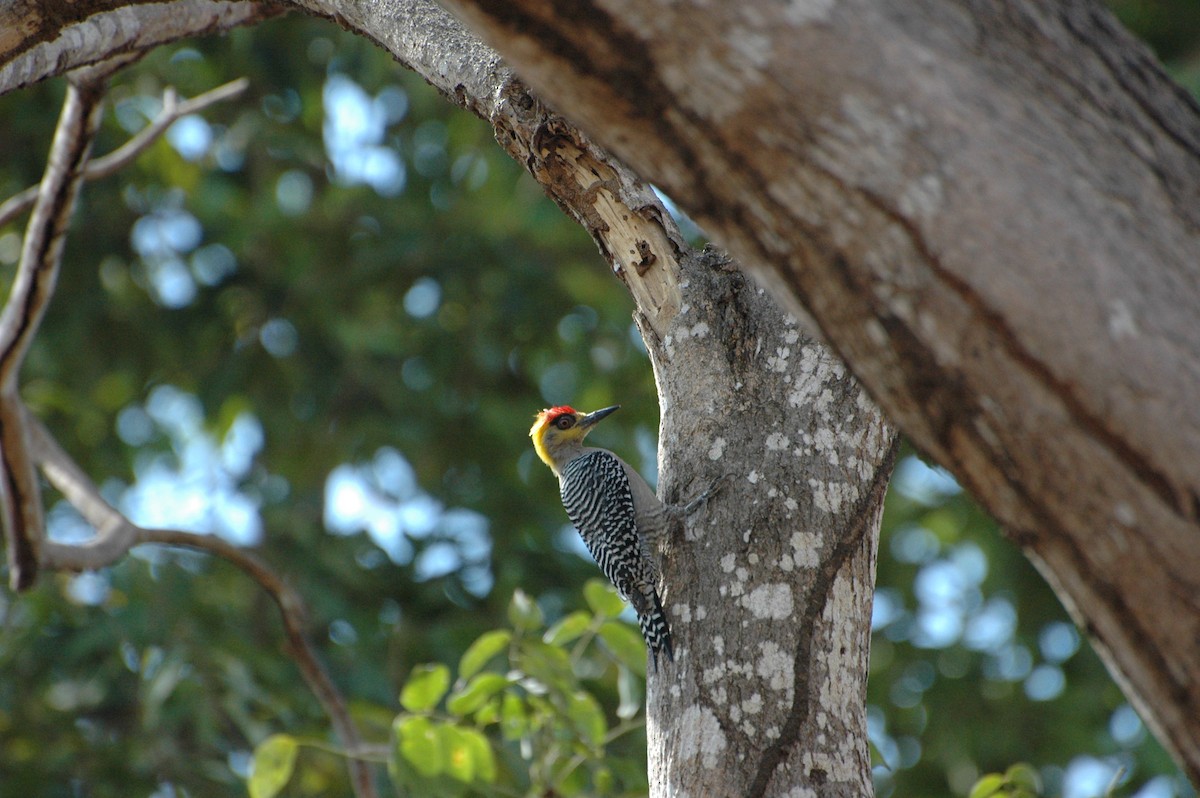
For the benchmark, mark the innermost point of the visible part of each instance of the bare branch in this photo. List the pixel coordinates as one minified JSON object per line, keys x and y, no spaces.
{"x":119,"y":30}
{"x":116,"y":535}
{"x":121,"y":157}
{"x":20,"y":496}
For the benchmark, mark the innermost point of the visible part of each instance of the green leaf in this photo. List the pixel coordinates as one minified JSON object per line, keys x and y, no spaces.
{"x":587,"y":717}
{"x":603,"y":598}
{"x":274,"y":760}
{"x":523,"y":612}
{"x":476,"y":693}
{"x":514,"y":719}
{"x":486,"y":646}
{"x":990,"y":785}
{"x":625,"y":643}
{"x":425,"y":687}
{"x":482,"y":755}
{"x":629,"y":690}
{"x":460,"y":760}
{"x":418,"y":742}
{"x":1023,"y":776}
{"x":568,"y":629}
{"x":549,"y":665}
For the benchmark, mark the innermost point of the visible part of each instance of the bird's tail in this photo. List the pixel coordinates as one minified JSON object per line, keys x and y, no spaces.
{"x":655,"y":629}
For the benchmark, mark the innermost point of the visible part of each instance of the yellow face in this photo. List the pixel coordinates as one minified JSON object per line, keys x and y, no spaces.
{"x":554,"y":427}
{"x":562,"y":426}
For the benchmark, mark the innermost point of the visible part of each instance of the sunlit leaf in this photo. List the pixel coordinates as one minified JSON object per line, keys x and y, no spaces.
{"x":475,"y":693}
{"x":603,"y":598}
{"x":486,"y":646}
{"x":418,"y":741}
{"x":568,"y":629}
{"x":523,"y":611}
{"x":458,"y":754}
{"x":514,"y":718}
{"x":274,"y":761}
{"x":990,"y":785}
{"x":1024,"y":777}
{"x":425,"y":687}
{"x":625,"y":643}
{"x":587,"y":717}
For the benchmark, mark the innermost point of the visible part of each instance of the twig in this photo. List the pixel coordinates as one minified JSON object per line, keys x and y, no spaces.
{"x":20,"y":496}
{"x":116,"y":535}
{"x":121,"y":157}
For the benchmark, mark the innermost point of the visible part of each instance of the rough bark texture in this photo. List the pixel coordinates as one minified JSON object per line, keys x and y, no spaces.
{"x":770,"y":586}
{"x":992,"y":211}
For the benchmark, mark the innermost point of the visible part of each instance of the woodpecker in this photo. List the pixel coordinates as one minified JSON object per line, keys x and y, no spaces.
{"x":616,"y":512}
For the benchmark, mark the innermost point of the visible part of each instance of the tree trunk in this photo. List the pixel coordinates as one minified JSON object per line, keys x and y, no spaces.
{"x":769,"y":587}
{"x":992,"y":212}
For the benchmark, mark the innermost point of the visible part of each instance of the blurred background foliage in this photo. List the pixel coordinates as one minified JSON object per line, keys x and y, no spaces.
{"x":318,"y":321}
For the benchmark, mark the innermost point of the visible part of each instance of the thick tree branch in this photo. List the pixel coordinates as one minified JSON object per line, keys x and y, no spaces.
{"x":992,"y":212}
{"x":45,"y":39}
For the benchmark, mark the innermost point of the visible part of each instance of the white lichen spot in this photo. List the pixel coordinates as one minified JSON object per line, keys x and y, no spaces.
{"x":791,"y":336}
{"x":786,"y":563}
{"x":800,"y":12}
{"x":742,"y":574}
{"x":832,"y":497}
{"x":775,"y":667}
{"x":806,"y":549}
{"x":791,"y":504}
{"x":717,"y":449}
{"x":753,"y":705}
{"x":777,"y":441}
{"x":770,"y":601}
{"x":752,"y":478}
{"x":700,"y":736}
{"x":922,"y":197}
{"x":682,"y":613}
{"x":729,"y":562}
{"x":699,"y":330}
{"x":752,"y":558}
{"x":701,"y":612}
{"x":1121,"y":323}
{"x":779,"y":361}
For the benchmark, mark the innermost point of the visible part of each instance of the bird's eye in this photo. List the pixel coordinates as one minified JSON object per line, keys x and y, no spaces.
{"x":565,"y":422}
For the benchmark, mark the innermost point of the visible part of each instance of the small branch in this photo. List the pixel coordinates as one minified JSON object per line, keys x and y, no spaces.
{"x":293,"y":612}
{"x":42,"y":250}
{"x":121,"y":157}
{"x":116,"y":535}
{"x":20,"y":496}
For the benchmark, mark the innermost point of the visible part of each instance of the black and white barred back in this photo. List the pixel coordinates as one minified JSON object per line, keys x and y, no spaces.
{"x":596,"y":494}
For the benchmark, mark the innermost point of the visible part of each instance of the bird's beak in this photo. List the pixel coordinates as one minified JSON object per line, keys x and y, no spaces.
{"x":591,"y":418}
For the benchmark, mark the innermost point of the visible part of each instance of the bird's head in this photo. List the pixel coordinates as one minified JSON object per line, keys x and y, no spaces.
{"x":559,"y":430}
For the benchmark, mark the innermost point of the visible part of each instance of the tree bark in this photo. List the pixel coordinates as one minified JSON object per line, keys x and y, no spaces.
{"x":769,"y":588}
{"x":991,"y":210}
